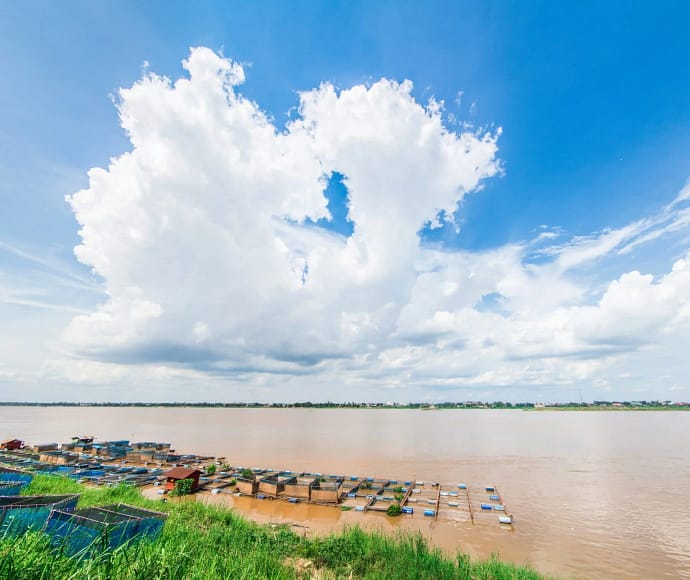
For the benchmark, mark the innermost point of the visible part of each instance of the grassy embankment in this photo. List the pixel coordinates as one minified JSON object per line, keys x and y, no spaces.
{"x":201,"y":541}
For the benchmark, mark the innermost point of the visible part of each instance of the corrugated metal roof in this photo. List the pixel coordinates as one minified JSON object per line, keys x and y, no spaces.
{"x":181,"y":473}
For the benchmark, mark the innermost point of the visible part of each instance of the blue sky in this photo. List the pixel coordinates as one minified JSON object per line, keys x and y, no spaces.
{"x":593,"y":100}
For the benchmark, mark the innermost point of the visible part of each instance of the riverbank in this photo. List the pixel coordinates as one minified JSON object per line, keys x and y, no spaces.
{"x":203,"y":541}
{"x":605,"y":408}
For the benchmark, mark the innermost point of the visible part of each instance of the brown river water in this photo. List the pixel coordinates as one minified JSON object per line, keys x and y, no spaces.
{"x":593,"y":494}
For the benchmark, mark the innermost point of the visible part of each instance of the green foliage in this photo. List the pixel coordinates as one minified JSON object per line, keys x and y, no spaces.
{"x":211,"y":469}
{"x":394,"y":509}
{"x":52,"y":484}
{"x":398,"y":489}
{"x":183,"y":487}
{"x":233,"y":481}
{"x":202,"y":541}
{"x":248,"y":473}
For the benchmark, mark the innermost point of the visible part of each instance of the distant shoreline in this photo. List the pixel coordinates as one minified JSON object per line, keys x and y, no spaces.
{"x":599,"y":407}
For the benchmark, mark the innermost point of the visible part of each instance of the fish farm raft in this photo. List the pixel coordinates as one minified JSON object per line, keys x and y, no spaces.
{"x":157,"y":465}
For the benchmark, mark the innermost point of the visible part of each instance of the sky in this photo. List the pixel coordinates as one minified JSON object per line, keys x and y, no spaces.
{"x":345,"y":201}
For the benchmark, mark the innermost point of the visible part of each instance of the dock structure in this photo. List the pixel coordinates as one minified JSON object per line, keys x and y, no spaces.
{"x":438,"y":500}
{"x":469,"y":505}
{"x":407,"y":495}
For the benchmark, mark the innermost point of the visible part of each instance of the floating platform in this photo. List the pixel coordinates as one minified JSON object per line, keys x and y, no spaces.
{"x":457,"y":502}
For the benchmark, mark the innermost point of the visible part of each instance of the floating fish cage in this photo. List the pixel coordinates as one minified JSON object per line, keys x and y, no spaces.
{"x":300,"y":487}
{"x":247,"y":486}
{"x":274,"y":484}
{"x":103,"y":527}
{"x":326,"y":491}
{"x":20,"y":514}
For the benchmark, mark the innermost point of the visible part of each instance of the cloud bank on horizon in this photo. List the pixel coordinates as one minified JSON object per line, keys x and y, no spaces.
{"x":209,"y":239}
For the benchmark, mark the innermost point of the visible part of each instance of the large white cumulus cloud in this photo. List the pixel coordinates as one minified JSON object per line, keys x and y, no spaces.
{"x":197,"y":232}
{"x":204,"y":238}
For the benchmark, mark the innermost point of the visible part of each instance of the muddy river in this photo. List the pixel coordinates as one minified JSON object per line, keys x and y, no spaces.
{"x":593,"y":494}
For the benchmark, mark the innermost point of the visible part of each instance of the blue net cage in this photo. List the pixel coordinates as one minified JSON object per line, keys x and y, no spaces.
{"x":102,"y":527}
{"x":14,"y":475}
{"x":19,"y":514}
{"x":11,"y":488}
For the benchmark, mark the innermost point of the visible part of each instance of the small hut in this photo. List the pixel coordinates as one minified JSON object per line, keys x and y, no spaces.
{"x":12,"y":444}
{"x":178,"y":474}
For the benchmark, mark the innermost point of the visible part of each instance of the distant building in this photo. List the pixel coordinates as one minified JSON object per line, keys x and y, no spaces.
{"x":12,"y":444}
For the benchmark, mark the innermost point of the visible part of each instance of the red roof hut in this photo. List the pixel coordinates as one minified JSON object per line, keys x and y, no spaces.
{"x":12,"y":444}
{"x":179,"y":473}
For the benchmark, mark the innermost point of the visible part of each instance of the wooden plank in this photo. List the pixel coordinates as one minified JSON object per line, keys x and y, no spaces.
{"x":375,"y":494}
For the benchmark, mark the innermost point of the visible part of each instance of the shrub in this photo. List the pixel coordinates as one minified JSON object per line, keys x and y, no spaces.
{"x":394,"y":510}
{"x":211,"y":469}
{"x":183,"y":487}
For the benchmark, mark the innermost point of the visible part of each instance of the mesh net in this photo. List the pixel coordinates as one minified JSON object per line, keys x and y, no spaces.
{"x":20,"y":514}
{"x":11,"y":487}
{"x":13,"y":475}
{"x":103,"y":527}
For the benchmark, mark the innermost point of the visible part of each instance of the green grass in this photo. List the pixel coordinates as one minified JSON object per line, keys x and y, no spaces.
{"x":200,"y":541}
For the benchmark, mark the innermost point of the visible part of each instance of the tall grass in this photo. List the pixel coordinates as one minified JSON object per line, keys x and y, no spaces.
{"x":201,"y":542}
